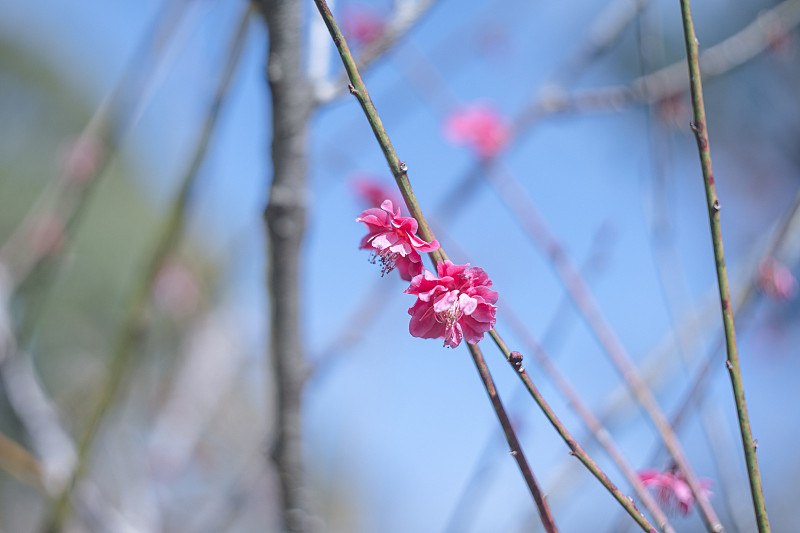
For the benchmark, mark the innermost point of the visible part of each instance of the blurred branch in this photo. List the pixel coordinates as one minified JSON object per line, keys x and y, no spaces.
{"x":19,"y":463}
{"x":32,"y":267}
{"x":700,"y":128}
{"x":134,"y":322}
{"x":654,"y":366}
{"x":405,"y":16}
{"x":672,"y":80}
{"x":285,"y":218}
{"x":516,"y":198}
{"x":29,"y":263}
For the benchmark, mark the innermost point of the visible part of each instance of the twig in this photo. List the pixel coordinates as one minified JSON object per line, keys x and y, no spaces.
{"x":133,"y":324}
{"x":516,"y":450}
{"x":592,"y":423}
{"x":515,"y":360}
{"x":401,"y":22}
{"x":700,"y":128}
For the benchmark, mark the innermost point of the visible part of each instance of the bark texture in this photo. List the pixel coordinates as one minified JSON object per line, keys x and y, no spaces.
{"x":285,"y":218}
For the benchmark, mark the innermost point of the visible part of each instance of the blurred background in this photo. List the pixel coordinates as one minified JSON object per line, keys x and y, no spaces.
{"x":119,"y":144}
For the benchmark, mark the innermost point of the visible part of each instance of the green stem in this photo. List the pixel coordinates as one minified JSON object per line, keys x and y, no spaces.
{"x":700,"y":128}
{"x":515,"y":360}
{"x":511,"y":437}
{"x":131,"y":329}
{"x":359,"y":90}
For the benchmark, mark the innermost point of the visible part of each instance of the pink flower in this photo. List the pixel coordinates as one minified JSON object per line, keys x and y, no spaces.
{"x":394,"y":240}
{"x":373,"y":191}
{"x":457,"y":304}
{"x":672,"y":490}
{"x":776,"y":280}
{"x":480,"y":127}
{"x":362,"y":26}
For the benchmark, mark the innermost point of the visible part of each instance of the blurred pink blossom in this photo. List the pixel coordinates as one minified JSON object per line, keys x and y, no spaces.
{"x":177,"y":289}
{"x":672,"y":490}
{"x":457,"y":304}
{"x":374,"y":191}
{"x":394,"y":240}
{"x":479,"y":127}
{"x":81,"y":158}
{"x":776,"y":280}
{"x":362,"y":25}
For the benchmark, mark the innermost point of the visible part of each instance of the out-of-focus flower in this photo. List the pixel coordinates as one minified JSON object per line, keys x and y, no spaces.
{"x":776,"y":280}
{"x":457,"y":304}
{"x":362,"y":25}
{"x":177,"y":289}
{"x":81,"y":158}
{"x":393,"y":240}
{"x":478,"y":126}
{"x":374,"y":191}
{"x":672,"y":490}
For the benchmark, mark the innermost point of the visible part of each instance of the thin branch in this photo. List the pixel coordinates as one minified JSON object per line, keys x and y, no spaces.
{"x":516,"y":450}
{"x":592,"y":423}
{"x":515,"y":360}
{"x":133,"y":324}
{"x":700,"y":128}
{"x":401,"y":22}
{"x":399,"y":170}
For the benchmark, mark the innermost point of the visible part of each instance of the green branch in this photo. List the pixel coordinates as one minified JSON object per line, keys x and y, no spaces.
{"x":700,"y":128}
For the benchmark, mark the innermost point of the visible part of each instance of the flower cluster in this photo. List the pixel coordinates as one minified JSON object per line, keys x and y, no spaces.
{"x":672,"y":490}
{"x":455,"y":303}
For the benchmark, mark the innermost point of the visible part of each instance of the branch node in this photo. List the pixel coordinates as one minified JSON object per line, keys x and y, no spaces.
{"x":716,"y":206}
{"x":729,"y":365}
{"x":515,"y":358}
{"x":403,"y":167}
{"x":352,"y":89}
{"x":513,"y":452}
{"x":755,"y":444}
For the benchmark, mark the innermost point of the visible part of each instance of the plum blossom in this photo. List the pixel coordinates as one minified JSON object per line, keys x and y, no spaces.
{"x":393,"y":240}
{"x":775,"y":279}
{"x":362,"y":25}
{"x":457,"y":304}
{"x":373,"y":191}
{"x":480,"y":127}
{"x":672,"y":490}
